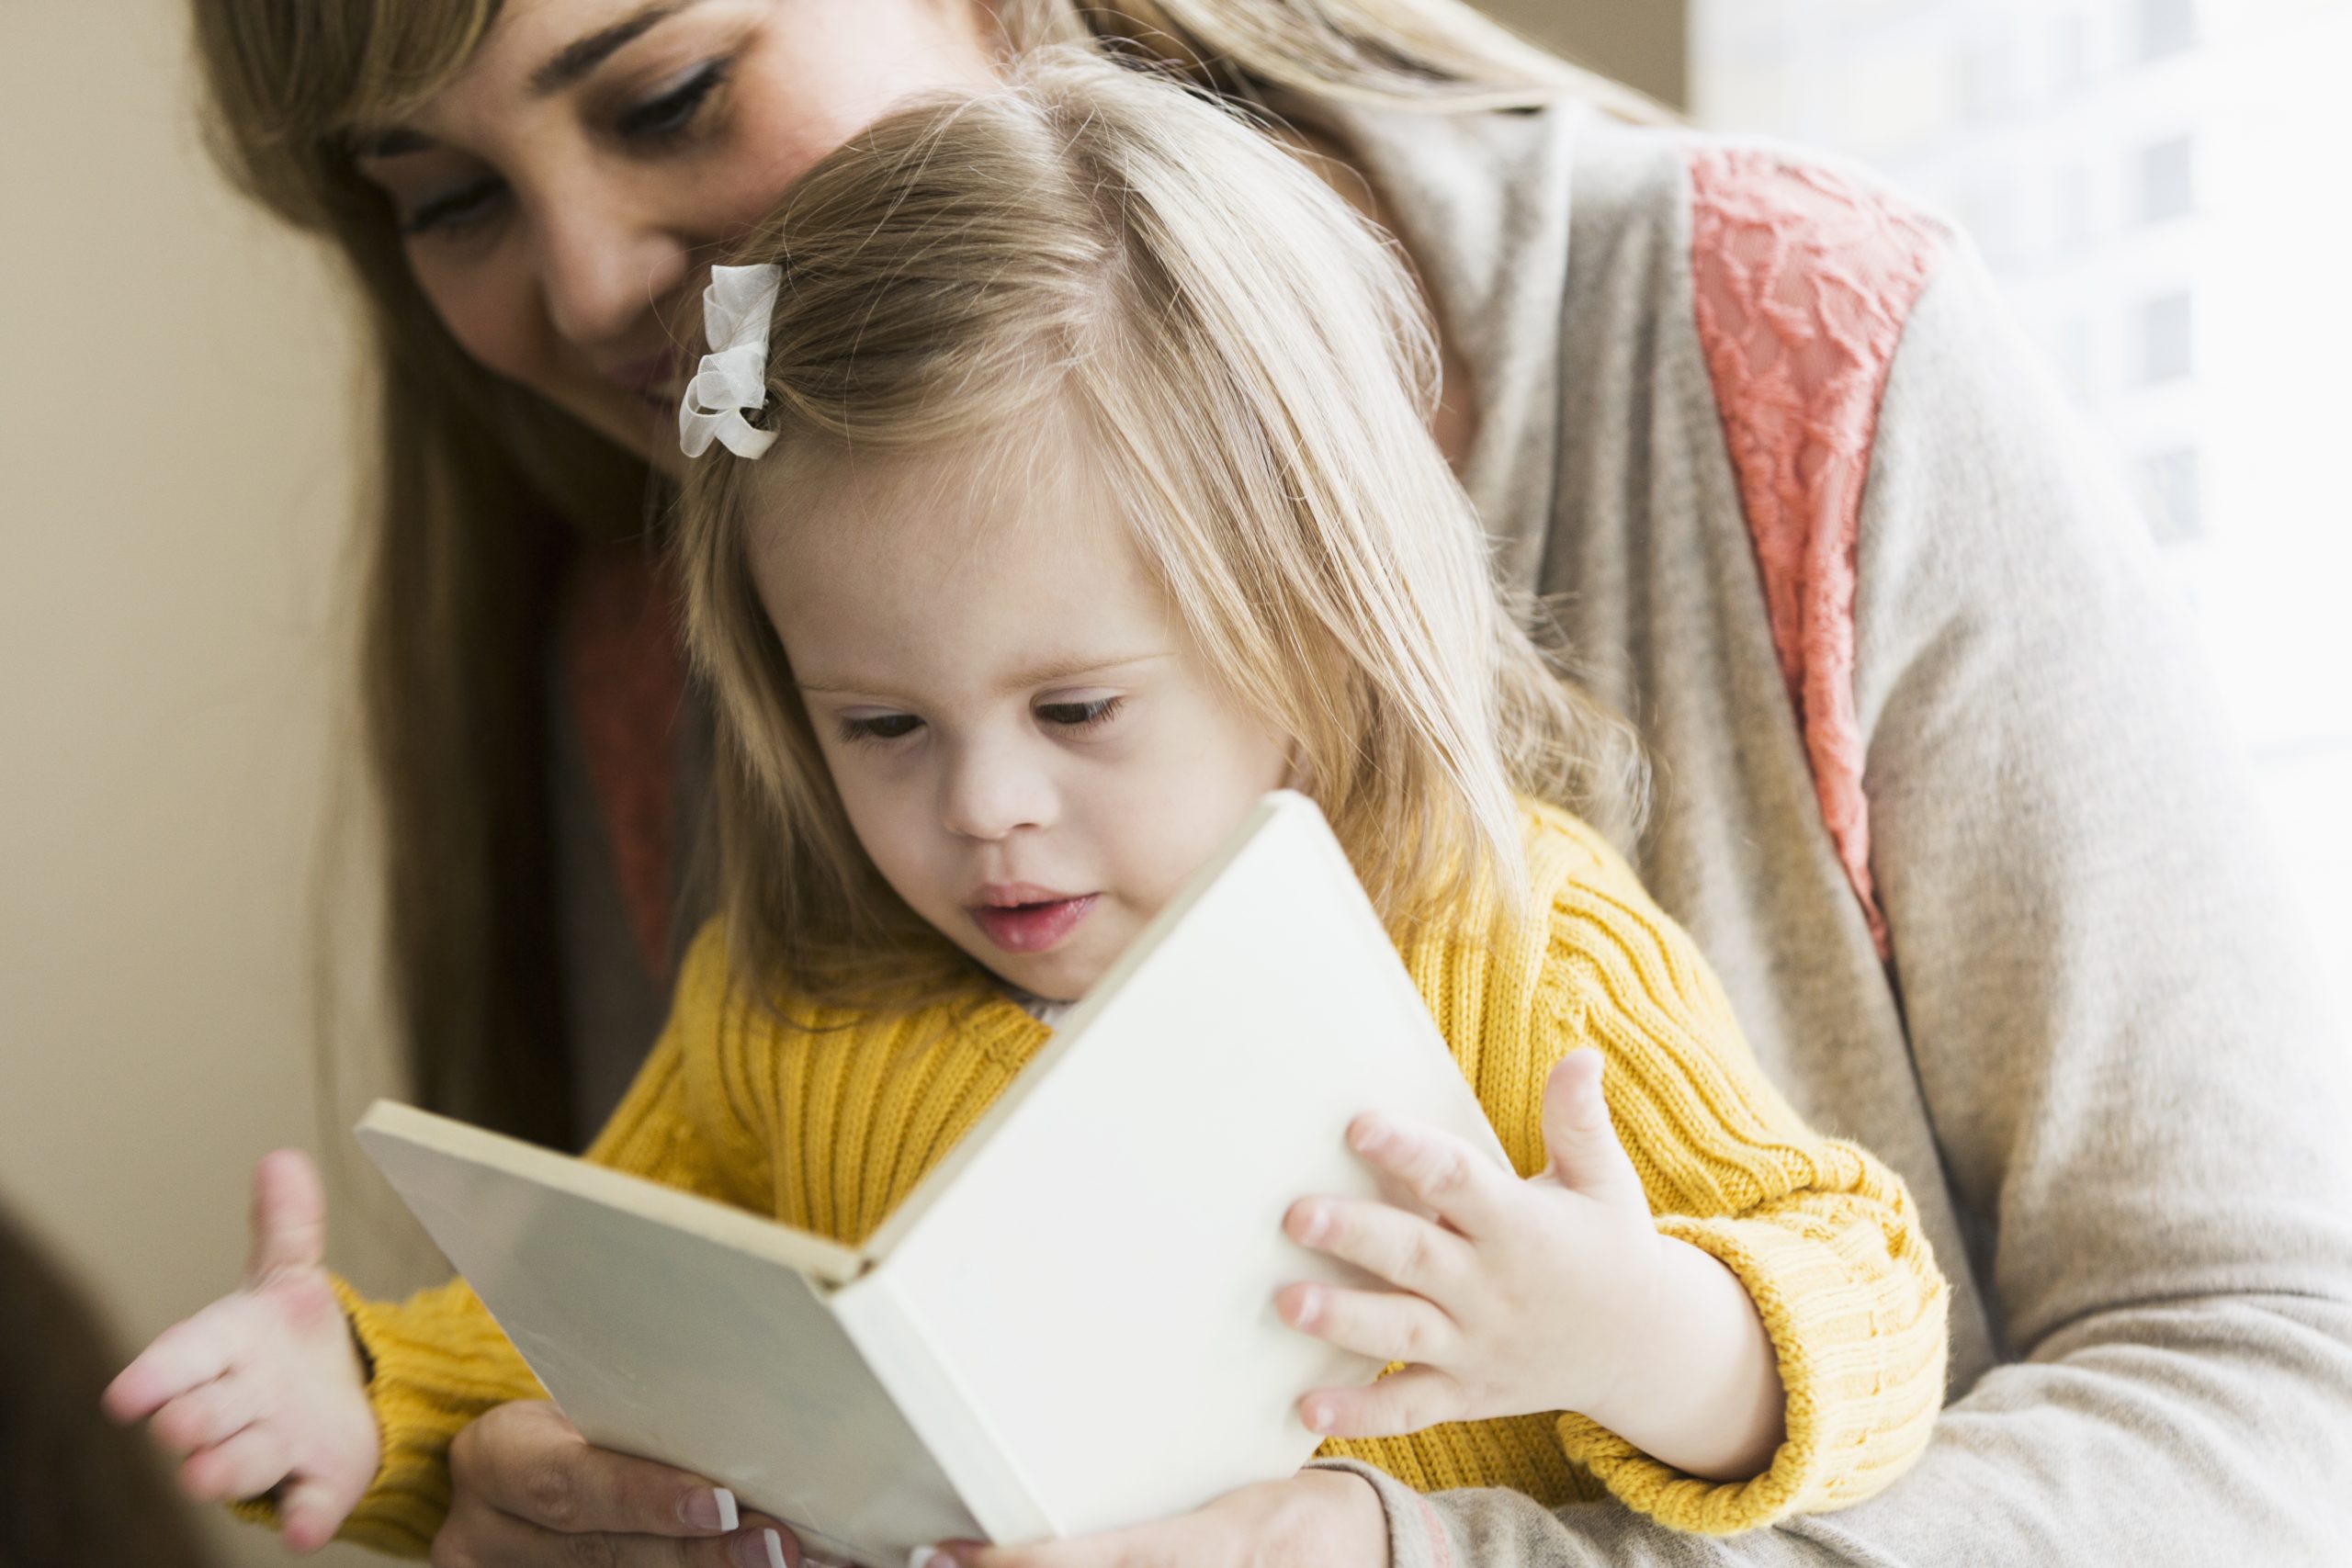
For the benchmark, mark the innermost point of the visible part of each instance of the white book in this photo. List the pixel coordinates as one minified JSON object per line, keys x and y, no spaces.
{"x":1068,"y":1326}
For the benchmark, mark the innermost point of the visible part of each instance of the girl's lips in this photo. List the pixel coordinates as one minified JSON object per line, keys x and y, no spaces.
{"x":1032,"y":928}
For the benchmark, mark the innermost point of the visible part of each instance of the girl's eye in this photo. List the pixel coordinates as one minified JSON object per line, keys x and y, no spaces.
{"x":461,"y":210}
{"x":886,"y":726}
{"x":1078,"y":715}
{"x":669,"y":116}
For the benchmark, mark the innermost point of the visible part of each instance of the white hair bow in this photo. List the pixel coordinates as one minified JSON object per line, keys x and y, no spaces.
{"x":733,"y":376}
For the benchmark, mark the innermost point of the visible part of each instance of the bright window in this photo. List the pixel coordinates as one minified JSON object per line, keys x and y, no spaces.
{"x":2156,"y":185}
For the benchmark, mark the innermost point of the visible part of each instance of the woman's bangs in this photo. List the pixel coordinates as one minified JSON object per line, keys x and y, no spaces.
{"x":292,"y":76}
{"x":394,"y":54}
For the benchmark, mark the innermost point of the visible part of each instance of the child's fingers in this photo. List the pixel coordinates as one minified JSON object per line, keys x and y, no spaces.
{"x":1404,"y":1249}
{"x":1399,"y":1403}
{"x":208,"y":1414}
{"x":289,"y":1216}
{"x":1451,"y":1177}
{"x":188,"y":1355}
{"x":1580,"y":1139}
{"x":1388,"y":1326}
{"x":246,"y":1465}
{"x":310,"y":1511}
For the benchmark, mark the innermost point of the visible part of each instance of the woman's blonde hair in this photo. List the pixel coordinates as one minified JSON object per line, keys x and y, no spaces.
{"x":481,"y":492}
{"x":1250,"y":371}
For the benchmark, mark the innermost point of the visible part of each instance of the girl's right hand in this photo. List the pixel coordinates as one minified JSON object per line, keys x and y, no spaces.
{"x":262,"y":1390}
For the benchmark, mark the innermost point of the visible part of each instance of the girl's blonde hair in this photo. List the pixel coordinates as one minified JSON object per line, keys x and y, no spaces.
{"x":1251,"y":369}
{"x":481,"y":492}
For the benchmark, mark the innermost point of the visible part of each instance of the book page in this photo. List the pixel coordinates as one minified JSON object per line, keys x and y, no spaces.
{"x":670,"y":1327}
{"x":1098,"y":1279}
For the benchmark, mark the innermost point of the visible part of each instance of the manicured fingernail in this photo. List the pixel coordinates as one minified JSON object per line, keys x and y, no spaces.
{"x":711,"y":1510}
{"x":756,"y":1549}
{"x":928,"y":1557}
{"x":1367,"y":1135}
{"x":1317,"y":1221}
{"x":1319,"y":1417}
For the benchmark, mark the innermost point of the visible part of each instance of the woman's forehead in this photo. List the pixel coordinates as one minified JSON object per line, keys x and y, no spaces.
{"x":500,"y":54}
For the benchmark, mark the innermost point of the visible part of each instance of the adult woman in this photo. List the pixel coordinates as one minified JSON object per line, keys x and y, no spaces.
{"x":1935,"y":803}
{"x":74,"y":1487}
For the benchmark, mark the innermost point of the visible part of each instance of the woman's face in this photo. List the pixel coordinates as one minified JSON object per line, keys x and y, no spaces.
{"x":563,"y":199}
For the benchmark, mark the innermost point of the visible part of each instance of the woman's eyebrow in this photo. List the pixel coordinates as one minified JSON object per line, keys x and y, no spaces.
{"x":571,"y":63}
{"x":580,"y":56}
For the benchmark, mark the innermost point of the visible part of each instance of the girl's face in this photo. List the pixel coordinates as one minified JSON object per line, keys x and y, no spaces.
{"x":563,"y":198}
{"x":1026,"y":745}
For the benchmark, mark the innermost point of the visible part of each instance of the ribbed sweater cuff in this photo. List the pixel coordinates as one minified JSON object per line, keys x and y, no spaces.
{"x":403,"y":1530}
{"x":1862,"y":1386}
{"x":439,"y":1361}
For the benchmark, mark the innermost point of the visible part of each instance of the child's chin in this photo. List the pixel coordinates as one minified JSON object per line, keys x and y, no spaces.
{"x":1055,"y":977}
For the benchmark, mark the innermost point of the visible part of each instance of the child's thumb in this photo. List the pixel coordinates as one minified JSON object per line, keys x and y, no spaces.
{"x":289,"y":1216}
{"x":1586,"y":1156}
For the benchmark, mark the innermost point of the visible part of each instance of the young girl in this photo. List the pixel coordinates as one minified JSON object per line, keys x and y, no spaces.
{"x":1077,"y":490}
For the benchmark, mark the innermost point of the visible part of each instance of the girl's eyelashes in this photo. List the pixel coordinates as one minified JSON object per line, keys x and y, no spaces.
{"x":879,"y":727}
{"x":1066,"y":716}
{"x":1079,"y":716}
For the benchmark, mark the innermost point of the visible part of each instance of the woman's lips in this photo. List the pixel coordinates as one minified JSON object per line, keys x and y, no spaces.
{"x":1032,"y":928}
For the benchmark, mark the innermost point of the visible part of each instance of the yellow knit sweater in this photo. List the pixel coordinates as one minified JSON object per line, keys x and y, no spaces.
{"x":829,"y":1130}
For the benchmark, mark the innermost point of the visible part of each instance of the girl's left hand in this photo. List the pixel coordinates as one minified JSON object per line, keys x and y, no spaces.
{"x":1521,"y":1296}
{"x":1318,"y":1519}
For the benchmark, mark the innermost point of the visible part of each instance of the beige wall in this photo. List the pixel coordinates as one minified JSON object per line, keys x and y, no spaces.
{"x":175,"y":398}
{"x":174,"y":394}
{"x":1643,"y":42}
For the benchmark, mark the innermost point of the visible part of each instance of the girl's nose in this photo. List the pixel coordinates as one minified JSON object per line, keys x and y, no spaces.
{"x":991,"y":792}
{"x":602,"y":268}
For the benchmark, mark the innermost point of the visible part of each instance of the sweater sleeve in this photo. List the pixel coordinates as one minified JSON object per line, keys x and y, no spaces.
{"x":1821,"y":1233}
{"x":440,"y":1361}
{"x":2137,"y":1088}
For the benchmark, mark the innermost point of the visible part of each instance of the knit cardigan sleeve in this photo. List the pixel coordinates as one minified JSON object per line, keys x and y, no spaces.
{"x":2138,"y":1087}
{"x":1822,"y":1235}
{"x":439,"y":1359}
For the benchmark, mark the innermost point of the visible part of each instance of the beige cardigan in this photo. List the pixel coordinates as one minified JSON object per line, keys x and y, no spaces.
{"x":2094,"y":1047}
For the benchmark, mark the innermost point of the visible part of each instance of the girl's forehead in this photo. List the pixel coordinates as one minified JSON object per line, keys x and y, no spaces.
{"x":1008,"y":491}
{"x":862,"y":546}
{"x":954,"y":587}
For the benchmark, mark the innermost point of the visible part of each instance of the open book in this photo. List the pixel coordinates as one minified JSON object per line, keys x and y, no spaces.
{"x":1068,"y":1326}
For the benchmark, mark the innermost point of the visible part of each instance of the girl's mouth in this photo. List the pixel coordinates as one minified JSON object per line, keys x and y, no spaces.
{"x":1032,"y":928}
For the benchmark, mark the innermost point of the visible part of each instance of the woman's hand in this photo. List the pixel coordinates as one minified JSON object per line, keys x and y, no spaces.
{"x":1318,"y":1519}
{"x":1553,"y":1293}
{"x":526,"y":1488}
{"x":262,"y":1390}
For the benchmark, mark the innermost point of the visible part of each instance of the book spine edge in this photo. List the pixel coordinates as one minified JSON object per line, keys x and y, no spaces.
{"x":939,"y":1408}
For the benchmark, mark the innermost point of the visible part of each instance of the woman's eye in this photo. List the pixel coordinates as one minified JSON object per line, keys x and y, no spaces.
{"x":1078,"y":715}
{"x":460,"y":209}
{"x":671,"y":114}
{"x":886,"y":727}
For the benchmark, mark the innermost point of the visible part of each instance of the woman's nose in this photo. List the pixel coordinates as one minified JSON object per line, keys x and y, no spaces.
{"x":993,"y":791}
{"x":602,"y":268}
